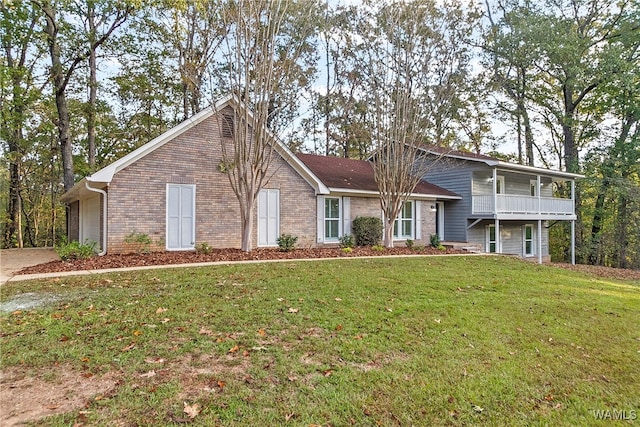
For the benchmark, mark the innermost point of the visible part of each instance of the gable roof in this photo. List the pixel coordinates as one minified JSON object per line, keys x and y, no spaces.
{"x":104,"y":176}
{"x":357,"y":176}
{"x":495,"y":162}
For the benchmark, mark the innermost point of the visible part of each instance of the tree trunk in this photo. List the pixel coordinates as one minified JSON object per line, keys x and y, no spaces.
{"x":388,"y":233}
{"x":596,"y":225}
{"x":93,"y":90}
{"x":246,"y":219}
{"x":59,"y":86}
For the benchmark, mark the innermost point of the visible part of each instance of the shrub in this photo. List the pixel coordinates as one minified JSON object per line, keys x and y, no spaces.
{"x":435,"y":240}
{"x":204,"y":248}
{"x":378,"y":248}
{"x":409,"y":244}
{"x":69,"y":251}
{"x":287,"y":242}
{"x":346,"y":241}
{"x":347,"y":249}
{"x":368,"y":230}
{"x":141,"y":242}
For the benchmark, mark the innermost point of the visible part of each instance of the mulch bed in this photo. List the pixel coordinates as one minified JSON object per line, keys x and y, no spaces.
{"x":185,"y":257}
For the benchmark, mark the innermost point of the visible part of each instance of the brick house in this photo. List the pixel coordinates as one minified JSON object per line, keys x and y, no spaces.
{"x":172,"y":190}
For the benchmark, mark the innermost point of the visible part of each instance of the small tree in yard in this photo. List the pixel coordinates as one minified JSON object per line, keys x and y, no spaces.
{"x":415,"y":62}
{"x":268,"y":55}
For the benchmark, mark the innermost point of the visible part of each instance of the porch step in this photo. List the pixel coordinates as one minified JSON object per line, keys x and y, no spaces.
{"x":474,"y":248}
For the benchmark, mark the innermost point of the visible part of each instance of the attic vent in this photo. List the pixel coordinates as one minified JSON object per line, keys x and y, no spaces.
{"x":227,"y":125}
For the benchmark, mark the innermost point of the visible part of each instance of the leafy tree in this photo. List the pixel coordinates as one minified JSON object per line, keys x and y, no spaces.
{"x":268,"y":56}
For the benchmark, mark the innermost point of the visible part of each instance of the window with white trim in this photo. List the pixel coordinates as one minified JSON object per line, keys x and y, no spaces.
{"x":500,"y":188}
{"x":528,"y":240}
{"x":403,"y":226}
{"x":533,"y":188}
{"x":331,"y":218}
{"x":491,"y":239}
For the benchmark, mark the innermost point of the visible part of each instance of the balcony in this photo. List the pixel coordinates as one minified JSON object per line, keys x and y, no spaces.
{"x":525,"y":207}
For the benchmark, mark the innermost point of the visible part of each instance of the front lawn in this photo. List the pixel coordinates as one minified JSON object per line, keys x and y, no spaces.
{"x":413,"y":341}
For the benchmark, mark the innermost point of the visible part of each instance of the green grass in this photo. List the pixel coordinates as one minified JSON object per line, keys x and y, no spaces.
{"x":415,"y":341}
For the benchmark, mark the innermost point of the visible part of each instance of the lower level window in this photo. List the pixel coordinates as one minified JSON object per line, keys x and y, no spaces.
{"x":403,"y":227}
{"x":528,"y":240}
{"x":491,"y":238}
{"x":331,"y":218}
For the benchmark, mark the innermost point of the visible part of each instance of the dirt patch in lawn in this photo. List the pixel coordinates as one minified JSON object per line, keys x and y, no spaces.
{"x":217,"y":255}
{"x":27,"y":395}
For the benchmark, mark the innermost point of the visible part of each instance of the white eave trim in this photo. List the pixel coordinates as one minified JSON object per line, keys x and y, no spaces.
{"x":512,"y":166}
{"x":369,"y":193}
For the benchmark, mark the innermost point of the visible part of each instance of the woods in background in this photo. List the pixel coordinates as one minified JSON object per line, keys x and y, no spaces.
{"x":550,"y":84}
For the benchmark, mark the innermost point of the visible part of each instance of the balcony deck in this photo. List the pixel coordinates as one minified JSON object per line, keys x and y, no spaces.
{"x":519,"y":206}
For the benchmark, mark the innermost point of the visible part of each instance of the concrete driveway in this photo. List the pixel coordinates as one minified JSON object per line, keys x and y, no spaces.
{"x":14,"y":260}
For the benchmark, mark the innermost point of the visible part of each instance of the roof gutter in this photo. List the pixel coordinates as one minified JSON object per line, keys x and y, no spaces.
{"x":104,"y":216}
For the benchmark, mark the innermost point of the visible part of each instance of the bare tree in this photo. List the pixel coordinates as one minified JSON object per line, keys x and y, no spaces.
{"x":414,"y":64}
{"x":268,"y":55}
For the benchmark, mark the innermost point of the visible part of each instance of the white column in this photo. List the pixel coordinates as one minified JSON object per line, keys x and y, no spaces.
{"x":573,"y":241}
{"x":498,"y":238}
{"x":495,"y":190}
{"x":539,"y":241}
{"x":539,"y":194}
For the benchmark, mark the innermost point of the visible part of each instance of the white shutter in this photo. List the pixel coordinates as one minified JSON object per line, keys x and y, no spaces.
{"x":173,"y":217}
{"x":187,"y":235}
{"x":346,"y":215}
{"x":263,"y":218}
{"x":418,"y":220}
{"x":320,"y":219}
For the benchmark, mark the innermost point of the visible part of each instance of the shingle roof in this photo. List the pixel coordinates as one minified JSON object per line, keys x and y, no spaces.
{"x":356,"y":175}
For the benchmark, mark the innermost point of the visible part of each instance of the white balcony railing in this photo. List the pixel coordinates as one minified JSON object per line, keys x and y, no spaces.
{"x":526,"y":205}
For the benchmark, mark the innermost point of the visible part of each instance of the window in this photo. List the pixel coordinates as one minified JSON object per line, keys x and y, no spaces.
{"x":528,"y":240}
{"x":403,"y":227}
{"x":500,"y":188}
{"x":491,"y":239}
{"x":331,"y":218}
{"x":227,"y":125}
{"x":533,"y":186}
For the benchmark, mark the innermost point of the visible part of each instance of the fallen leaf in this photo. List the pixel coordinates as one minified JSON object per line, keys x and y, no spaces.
{"x":129,"y":347}
{"x":339,"y":328}
{"x":280,"y":299}
{"x":192,"y":411}
{"x":165,"y":320}
{"x":389,"y":309}
{"x":261,"y":332}
{"x":293,"y":310}
{"x":289,"y":416}
{"x":154,"y":360}
{"x":137,"y":333}
{"x":478,"y":409}
{"x":234,"y":349}
{"x":338,"y":299}
{"x":437,"y":320}
{"x":205,"y":331}
{"x":161,"y":310}
{"x":148,"y":374}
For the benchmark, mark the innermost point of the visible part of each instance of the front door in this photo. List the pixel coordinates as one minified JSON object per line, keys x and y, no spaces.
{"x":268,"y":217}
{"x":181,"y":206}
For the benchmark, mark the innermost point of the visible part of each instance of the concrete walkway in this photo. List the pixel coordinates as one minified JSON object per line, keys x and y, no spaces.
{"x":14,"y":260}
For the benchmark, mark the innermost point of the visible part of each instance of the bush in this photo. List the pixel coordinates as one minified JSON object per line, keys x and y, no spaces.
{"x":346,"y":241}
{"x":69,"y":251}
{"x":435,"y":241}
{"x":347,"y":250}
{"x":140,"y":241}
{"x":287,"y":242}
{"x":204,"y":248}
{"x":378,"y":248}
{"x":410,"y":244}
{"x":368,"y":230}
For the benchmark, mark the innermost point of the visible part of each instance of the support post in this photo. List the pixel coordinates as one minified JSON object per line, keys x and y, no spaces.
{"x":498,"y":239}
{"x":539,"y":241}
{"x":573,"y":242}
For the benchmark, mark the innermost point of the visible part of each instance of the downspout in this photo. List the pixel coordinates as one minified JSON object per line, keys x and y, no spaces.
{"x":104,"y":216}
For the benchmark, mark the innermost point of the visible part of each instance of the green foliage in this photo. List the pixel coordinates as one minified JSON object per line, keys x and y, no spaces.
{"x":204,"y":248}
{"x":347,"y":249}
{"x":368,"y":230}
{"x":140,"y":242}
{"x":434,"y":240}
{"x":378,"y":248}
{"x":69,"y":251}
{"x":347,"y":241}
{"x":287,"y":242}
{"x":409,"y":243}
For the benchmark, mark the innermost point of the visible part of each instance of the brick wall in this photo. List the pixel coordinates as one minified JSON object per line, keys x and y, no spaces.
{"x":137,"y":194}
